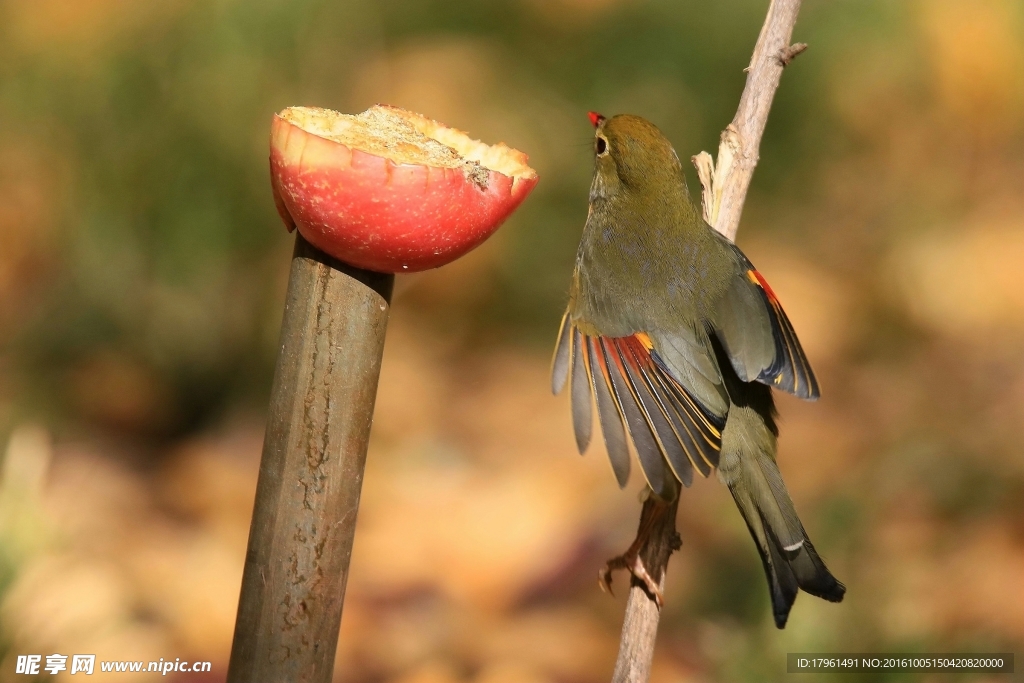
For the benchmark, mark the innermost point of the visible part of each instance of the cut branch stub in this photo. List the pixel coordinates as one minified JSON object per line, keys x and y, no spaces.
{"x":705,"y":165}
{"x":788,"y":54}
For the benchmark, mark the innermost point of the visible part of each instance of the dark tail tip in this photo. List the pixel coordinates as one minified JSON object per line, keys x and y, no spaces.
{"x":814,"y":577}
{"x":802,"y":570}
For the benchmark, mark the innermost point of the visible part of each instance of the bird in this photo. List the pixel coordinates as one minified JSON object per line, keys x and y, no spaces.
{"x":678,"y":341}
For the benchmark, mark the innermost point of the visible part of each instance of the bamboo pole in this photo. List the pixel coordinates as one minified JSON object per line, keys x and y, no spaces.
{"x":311,"y":472}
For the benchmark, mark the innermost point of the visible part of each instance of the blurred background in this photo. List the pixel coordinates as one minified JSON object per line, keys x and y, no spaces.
{"x":142,"y":277}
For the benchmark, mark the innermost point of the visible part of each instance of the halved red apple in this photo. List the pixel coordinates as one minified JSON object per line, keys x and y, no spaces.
{"x":389,"y":190}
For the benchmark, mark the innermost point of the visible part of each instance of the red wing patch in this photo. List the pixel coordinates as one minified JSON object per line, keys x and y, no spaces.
{"x":758,"y":279}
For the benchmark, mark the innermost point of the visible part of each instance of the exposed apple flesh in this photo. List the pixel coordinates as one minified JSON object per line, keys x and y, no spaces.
{"x":389,"y":190}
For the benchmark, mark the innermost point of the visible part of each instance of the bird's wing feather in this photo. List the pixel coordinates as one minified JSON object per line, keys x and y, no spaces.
{"x":560,"y":362}
{"x":758,"y":337}
{"x":579,"y":390}
{"x":637,"y":393}
{"x":686,"y":354}
{"x":608,"y":412}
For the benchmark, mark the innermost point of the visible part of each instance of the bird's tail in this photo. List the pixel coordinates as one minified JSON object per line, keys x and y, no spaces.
{"x":747,"y":466}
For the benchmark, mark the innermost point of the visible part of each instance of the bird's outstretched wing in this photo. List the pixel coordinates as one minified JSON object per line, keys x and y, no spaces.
{"x":636,"y":393}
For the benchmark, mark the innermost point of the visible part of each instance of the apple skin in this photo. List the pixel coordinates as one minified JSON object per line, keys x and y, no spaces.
{"x":371,"y":213}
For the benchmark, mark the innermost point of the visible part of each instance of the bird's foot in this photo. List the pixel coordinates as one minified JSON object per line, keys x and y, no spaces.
{"x":630,"y":561}
{"x":652,"y":512}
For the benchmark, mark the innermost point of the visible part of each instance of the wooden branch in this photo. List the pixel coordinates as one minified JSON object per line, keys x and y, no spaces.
{"x":725,"y":184}
{"x":723,"y":190}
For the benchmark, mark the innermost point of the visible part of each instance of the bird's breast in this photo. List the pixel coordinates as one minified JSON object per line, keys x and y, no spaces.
{"x":637,"y":279}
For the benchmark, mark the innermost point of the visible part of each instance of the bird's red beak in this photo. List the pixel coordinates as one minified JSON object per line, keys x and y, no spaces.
{"x":595,"y":118}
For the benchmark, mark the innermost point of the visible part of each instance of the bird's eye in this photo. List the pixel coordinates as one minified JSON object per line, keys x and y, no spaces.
{"x":601,"y":145}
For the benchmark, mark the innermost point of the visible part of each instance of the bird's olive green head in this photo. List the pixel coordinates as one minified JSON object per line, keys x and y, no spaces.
{"x":631,"y":154}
